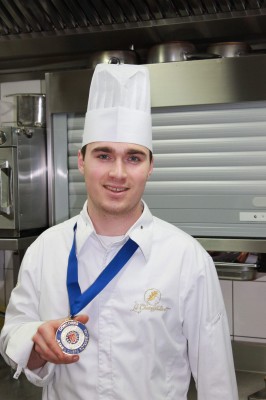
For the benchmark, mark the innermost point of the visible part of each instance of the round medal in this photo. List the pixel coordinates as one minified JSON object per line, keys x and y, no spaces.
{"x":72,"y":337}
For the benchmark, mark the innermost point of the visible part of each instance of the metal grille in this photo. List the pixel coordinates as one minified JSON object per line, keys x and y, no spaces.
{"x":210,"y":169}
{"x":56,"y":16}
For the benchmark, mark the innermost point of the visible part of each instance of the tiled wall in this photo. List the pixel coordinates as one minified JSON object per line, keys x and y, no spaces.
{"x":245,"y":303}
{"x":8,"y":104}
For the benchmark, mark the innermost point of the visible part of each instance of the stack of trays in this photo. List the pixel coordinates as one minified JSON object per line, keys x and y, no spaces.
{"x":236,"y":266}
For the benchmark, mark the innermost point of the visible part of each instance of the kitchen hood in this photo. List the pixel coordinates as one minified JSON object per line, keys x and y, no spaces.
{"x":45,"y":31}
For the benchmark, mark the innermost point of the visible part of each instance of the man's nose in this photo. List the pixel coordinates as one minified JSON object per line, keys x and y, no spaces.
{"x":118,"y":169}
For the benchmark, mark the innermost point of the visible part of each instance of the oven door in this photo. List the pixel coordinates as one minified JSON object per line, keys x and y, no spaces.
{"x":8,"y":195}
{"x":8,"y":276}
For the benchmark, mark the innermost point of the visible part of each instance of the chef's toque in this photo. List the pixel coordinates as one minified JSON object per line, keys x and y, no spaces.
{"x":119,"y":105}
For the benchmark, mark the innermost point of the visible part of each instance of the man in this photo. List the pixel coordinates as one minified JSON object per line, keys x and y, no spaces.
{"x":158,"y":317}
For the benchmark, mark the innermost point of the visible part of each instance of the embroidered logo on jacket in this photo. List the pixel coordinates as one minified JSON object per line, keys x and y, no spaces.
{"x":152,"y":302}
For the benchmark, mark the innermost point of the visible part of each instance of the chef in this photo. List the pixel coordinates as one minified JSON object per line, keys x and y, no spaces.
{"x":116,"y":303}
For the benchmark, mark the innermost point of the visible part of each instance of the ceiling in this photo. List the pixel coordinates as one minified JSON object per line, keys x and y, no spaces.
{"x":34,"y":33}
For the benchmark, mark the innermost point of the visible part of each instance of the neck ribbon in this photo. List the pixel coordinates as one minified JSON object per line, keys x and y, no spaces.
{"x":78,"y":300}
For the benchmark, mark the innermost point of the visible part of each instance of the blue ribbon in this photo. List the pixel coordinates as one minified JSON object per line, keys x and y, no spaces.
{"x":78,"y":300}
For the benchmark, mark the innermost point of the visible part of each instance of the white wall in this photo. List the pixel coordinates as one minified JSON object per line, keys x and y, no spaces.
{"x":245,"y":303}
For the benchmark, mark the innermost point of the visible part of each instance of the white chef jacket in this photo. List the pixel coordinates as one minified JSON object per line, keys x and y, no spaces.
{"x":161,"y":318}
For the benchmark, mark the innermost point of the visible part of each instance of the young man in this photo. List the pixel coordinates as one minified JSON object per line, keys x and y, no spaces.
{"x":147,"y":293}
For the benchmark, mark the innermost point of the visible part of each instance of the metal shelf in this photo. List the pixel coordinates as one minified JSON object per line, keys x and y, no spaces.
{"x":16,"y":243}
{"x":233,"y":244}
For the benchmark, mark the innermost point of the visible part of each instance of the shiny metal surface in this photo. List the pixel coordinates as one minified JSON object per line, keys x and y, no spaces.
{"x":240,"y":272}
{"x":170,"y":52}
{"x":225,"y":80}
{"x":67,"y":91}
{"x":217,"y":81}
{"x":31,"y":110}
{"x":5,"y":188}
{"x":25,"y":187}
{"x":233,"y":244}
{"x":229,"y":49}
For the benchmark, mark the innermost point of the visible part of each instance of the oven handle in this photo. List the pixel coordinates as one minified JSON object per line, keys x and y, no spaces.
{"x":6,"y":203}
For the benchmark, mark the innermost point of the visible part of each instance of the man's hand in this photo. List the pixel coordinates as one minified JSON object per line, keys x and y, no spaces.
{"x":45,"y":347}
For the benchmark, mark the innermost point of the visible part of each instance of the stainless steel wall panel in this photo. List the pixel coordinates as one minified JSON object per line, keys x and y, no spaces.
{"x":225,"y":80}
{"x":24,"y":157}
{"x":198,"y":82}
{"x":60,"y":169}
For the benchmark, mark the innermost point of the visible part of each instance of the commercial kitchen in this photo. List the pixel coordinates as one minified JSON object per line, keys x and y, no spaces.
{"x":207,"y":64}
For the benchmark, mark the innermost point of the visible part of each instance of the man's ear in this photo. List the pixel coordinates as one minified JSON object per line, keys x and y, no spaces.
{"x":80,"y":162}
{"x":151,"y":168}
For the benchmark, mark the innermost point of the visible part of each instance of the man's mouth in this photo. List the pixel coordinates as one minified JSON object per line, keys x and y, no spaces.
{"x":116,"y":189}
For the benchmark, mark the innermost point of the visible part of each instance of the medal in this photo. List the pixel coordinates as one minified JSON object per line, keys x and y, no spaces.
{"x":72,"y":337}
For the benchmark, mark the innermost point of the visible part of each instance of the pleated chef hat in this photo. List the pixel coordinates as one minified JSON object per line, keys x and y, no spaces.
{"x":119,"y":105}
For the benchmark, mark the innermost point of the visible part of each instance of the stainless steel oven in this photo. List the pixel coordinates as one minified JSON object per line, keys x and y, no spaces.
{"x":23,"y":181}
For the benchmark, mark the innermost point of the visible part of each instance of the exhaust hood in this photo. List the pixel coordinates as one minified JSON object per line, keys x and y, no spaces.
{"x":40,"y":32}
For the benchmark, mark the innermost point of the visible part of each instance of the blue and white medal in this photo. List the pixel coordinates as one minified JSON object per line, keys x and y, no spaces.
{"x":72,"y":337}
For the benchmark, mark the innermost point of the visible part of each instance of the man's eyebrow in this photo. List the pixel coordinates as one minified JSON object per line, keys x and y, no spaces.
{"x":136,"y":151}
{"x":104,"y":149}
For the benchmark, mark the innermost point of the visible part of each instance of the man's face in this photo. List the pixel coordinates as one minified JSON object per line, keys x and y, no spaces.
{"x":115,"y":176}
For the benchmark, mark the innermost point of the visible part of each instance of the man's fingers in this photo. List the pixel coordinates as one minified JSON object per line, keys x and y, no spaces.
{"x":46,"y":346}
{"x":83,"y":318}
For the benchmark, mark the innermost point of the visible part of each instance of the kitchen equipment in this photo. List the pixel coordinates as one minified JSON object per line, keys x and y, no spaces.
{"x":113,"y":57}
{"x":229,"y":49}
{"x":31,"y":109}
{"x":235,"y":265}
{"x":175,"y":51}
{"x":23,"y":181}
{"x":232,"y":271}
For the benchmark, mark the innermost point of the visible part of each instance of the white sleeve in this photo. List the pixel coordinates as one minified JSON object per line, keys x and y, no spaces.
{"x":22,"y":319}
{"x":206,"y":328}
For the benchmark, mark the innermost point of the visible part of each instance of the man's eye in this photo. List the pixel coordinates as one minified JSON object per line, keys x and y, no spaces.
{"x":134,"y":159}
{"x":103,"y":156}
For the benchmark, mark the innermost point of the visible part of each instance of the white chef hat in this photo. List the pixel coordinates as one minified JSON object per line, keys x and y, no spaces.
{"x":119,"y":105}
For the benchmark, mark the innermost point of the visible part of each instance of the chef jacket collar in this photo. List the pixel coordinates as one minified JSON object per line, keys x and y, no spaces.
{"x":140,"y":232}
